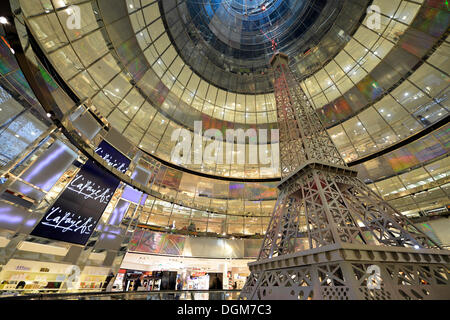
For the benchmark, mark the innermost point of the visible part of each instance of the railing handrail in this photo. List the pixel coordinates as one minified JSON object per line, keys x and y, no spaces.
{"x":112,"y":293}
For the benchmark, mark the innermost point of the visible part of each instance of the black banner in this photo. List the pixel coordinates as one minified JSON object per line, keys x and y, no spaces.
{"x":113,"y":304}
{"x":74,"y":215}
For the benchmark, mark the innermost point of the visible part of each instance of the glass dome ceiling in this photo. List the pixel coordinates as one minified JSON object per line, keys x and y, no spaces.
{"x":234,"y":39}
{"x":135,"y":72}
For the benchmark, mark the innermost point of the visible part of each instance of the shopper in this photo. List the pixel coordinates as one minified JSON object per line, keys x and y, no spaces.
{"x":423,"y":119}
{"x":179,"y":288}
{"x":138,"y":283}
{"x":192,"y":227}
{"x":108,"y":280}
{"x":179,"y":284}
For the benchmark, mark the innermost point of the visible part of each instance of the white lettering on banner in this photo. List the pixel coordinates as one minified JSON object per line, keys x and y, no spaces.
{"x":88,"y":190}
{"x":74,"y":215}
{"x":66,"y":222}
{"x":122,"y":167}
{"x":205,"y":311}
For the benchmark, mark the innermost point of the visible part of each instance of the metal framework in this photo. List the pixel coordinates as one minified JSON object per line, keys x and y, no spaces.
{"x":330,"y":236}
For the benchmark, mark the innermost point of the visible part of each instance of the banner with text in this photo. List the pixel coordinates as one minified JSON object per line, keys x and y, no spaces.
{"x":76,"y":212}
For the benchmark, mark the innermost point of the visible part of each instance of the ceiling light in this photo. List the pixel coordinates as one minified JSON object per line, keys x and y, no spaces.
{"x":3,"y":20}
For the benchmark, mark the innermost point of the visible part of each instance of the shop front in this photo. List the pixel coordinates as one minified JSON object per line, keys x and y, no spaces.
{"x":158,"y":272}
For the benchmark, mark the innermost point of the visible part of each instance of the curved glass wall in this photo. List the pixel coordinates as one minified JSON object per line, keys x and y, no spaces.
{"x":176,"y":198}
{"x":124,"y":88}
{"x":386,"y":82}
{"x":360,"y":132}
{"x":225,"y":207}
{"x":355,"y":81}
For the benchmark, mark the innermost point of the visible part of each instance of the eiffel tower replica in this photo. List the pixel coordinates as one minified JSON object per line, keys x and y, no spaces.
{"x":330,"y":236}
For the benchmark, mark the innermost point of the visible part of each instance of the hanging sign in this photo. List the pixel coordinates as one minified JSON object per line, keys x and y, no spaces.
{"x":76,"y":212}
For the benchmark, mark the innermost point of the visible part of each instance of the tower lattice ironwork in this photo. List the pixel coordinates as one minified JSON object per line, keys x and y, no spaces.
{"x":331,"y":236}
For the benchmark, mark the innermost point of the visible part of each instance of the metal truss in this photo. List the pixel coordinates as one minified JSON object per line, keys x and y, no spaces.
{"x":302,"y":135}
{"x":329,"y":232}
{"x":347,"y":273}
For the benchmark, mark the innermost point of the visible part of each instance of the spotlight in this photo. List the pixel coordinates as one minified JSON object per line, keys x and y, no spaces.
{"x":3,"y":20}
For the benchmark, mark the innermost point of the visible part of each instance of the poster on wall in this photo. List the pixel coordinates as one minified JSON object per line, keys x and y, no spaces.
{"x":74,"y":215}
{"x":156,"y":242}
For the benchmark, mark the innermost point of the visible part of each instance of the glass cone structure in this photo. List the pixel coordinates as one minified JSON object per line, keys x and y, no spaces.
{"x":330,"y":236}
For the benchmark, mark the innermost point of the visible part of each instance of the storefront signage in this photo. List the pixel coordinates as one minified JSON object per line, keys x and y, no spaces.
{"x":198,"y":274}
{"x":74,"y":215}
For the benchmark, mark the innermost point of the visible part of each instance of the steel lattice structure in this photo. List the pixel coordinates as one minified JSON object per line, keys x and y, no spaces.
{"x":330,"y":236}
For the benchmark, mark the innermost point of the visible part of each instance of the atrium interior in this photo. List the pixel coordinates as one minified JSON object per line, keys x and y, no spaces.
{"x":144,"y":145}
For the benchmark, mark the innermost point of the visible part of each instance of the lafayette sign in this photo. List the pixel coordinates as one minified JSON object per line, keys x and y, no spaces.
{"x":74,"y":215}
